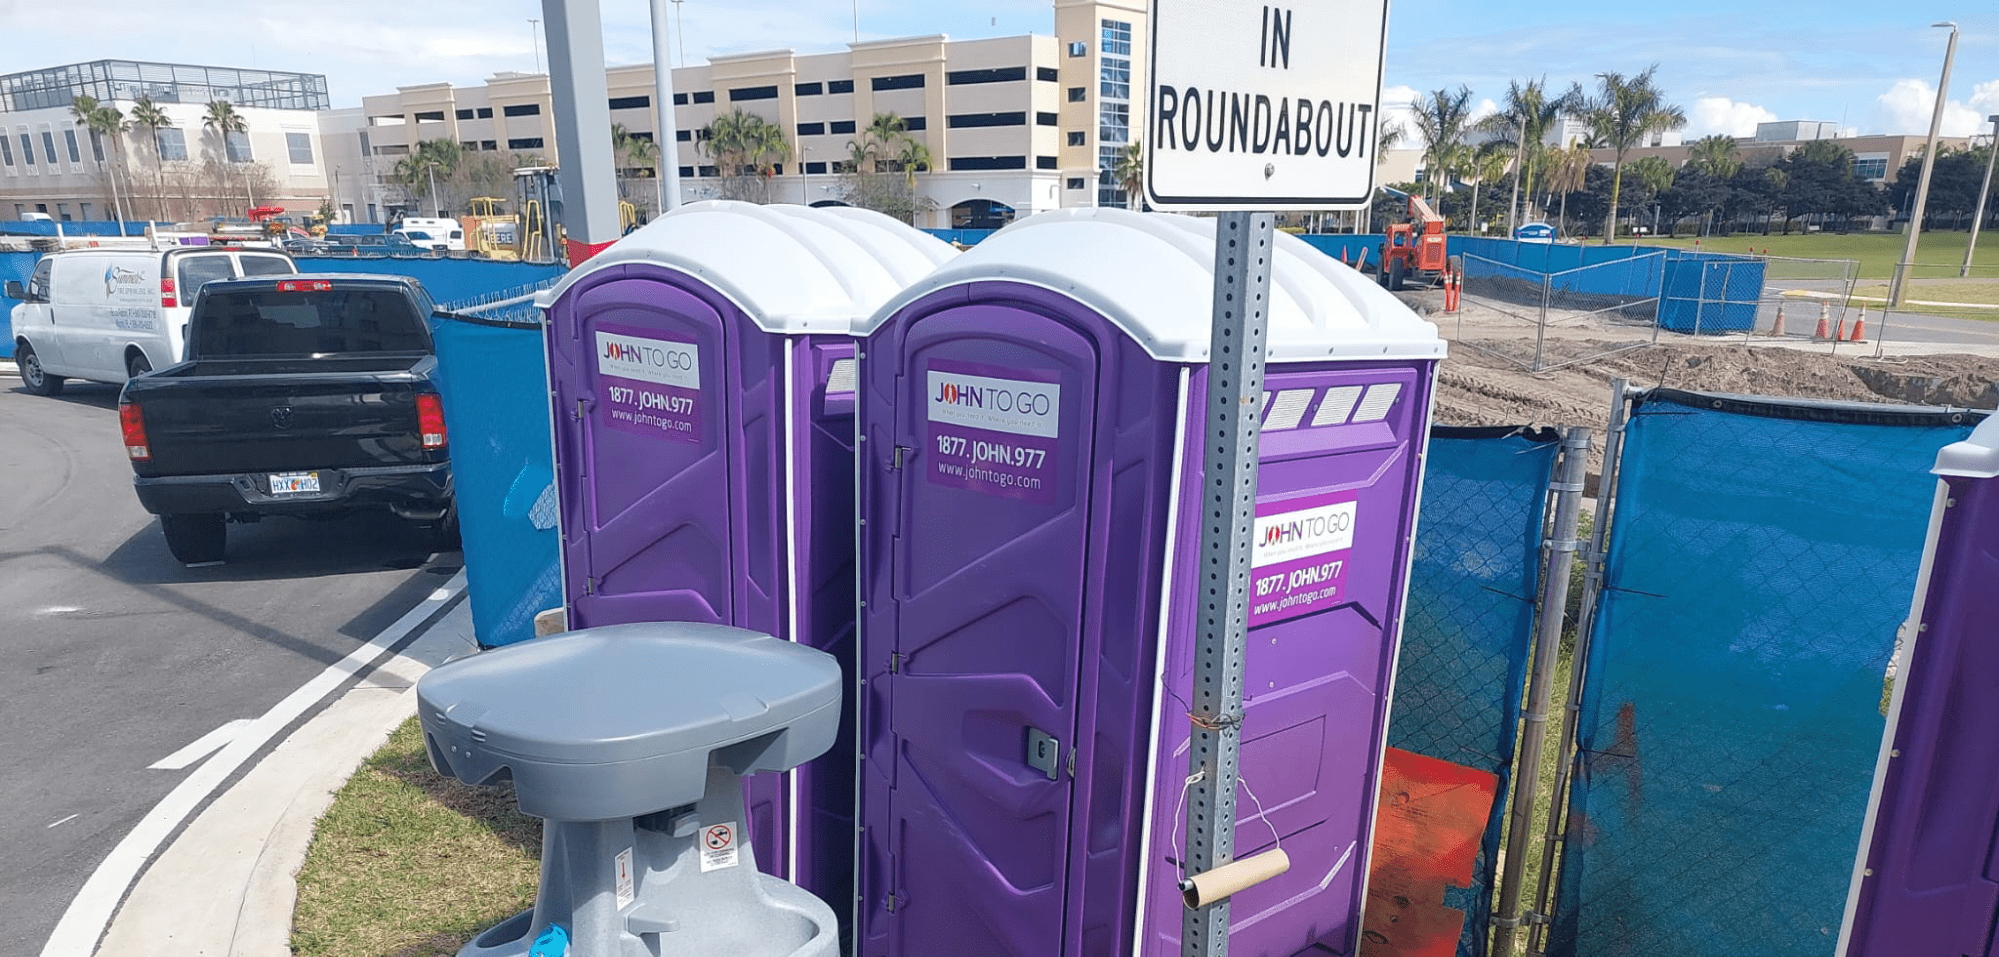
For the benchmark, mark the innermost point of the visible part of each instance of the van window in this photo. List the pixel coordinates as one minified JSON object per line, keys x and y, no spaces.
{"x":195,"y":270}
{"x":38,"y":284}
{"x":267,"y":266}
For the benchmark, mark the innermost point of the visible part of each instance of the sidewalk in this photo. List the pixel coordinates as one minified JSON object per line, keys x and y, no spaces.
{"x":225,"y":886}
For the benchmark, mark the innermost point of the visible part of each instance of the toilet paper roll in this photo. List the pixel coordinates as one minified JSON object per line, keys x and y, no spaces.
{"x":1219,"y":884}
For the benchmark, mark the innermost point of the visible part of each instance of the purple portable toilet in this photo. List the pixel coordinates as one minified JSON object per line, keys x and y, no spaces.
{"x":1031,"y":460}
{"x":702,"y":378}
{"x":1925,"y":883}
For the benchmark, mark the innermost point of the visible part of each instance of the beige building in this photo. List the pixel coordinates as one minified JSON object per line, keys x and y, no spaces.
{"x":1876,"y":159}
{"x":1014,"y":125}
{"x":50,"y":165}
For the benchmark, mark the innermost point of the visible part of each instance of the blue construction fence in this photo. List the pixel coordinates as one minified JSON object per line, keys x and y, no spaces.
{"x":1469,"y":630}
{"x":1762,"y":556}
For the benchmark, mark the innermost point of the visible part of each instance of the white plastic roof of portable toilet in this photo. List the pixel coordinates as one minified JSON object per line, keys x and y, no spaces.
{"x":1153,"y":275}
{"x":791,"y":269}
{"x":1975,"y":457}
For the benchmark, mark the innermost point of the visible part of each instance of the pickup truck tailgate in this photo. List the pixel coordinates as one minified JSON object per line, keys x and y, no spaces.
{"x":271,"y":415}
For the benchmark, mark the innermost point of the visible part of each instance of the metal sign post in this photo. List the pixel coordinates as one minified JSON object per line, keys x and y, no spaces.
{"x":1252,"y":107}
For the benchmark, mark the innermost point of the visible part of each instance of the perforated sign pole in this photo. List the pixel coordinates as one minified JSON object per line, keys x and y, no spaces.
{"x":1228,"y":456}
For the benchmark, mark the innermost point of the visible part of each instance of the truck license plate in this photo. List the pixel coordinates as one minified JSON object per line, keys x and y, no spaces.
{"x":294,"y":483}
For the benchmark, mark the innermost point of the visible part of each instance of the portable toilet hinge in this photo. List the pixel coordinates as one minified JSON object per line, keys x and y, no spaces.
{"x":895,"y":663}
{"x":1072,"y":763}
{"x":893,"y":899}
{"x":896,"y":463}
{"x":589,"y":585}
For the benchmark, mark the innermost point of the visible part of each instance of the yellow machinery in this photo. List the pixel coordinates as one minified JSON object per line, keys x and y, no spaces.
{"x":538,"y":238}
{"x":491,"y":233}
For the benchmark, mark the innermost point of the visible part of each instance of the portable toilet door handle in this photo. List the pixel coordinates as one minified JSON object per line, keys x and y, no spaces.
{"x":1044,"y":753}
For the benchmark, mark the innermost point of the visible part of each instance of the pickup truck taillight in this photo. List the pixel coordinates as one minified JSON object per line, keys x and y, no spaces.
{"x":132,"y":422}
{"x":429,"y":420}
{"x":168,"y":297}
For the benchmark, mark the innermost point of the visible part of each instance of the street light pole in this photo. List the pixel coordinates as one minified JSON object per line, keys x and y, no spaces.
{"x":1929,"y":165}
{"x":666,"y":135}
{"x":534,"y":40}
{"x":1984,"y":193}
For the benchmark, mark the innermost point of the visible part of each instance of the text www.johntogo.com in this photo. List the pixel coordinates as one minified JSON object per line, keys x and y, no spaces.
{"x":979,"y":474}
{"x":653,"y":421}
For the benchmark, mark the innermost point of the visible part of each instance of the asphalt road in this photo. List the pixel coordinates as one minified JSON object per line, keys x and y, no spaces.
{"x":114,"y":656}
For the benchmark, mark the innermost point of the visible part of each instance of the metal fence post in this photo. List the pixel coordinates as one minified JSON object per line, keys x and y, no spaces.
{"x":1558,"y":550}
{"x":1593,"y":558}
{"x":1235,"y":398}
{"x":1541,"y":332}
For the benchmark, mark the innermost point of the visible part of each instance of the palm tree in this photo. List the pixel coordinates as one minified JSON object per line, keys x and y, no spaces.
{"x":222,"y":119}
{"x":103,"y":120}
{"x":1526,"y":117}
{"x":1718,"y":156}
{"x":744,"y":145}
{"x":430,"y":158}
{"x":146,"y":115}
{"x":1655,"y":174}
{"x":1488,"y":162}
{"x":1568,"y":171}
{"x":1624,"y":111}
{"x":1130,"y":172}
{"x":1443,"y":118}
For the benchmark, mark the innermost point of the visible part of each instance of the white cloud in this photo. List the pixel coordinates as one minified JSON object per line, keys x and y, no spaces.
{"x":1719,"y":114}
{"x":1395,"y":109}
{"x":1907,"y":107}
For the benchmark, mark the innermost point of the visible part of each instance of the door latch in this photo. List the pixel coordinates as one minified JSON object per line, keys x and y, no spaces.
{"x":1044,"y":753}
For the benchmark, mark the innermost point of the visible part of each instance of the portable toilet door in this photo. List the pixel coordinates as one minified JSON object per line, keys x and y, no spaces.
{"x":1031,"y":420}
{"x":701,"y":374}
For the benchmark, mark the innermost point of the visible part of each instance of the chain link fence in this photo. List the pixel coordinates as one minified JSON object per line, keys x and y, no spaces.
{"x":1762,"y":556}
{"x":1575,"y":315}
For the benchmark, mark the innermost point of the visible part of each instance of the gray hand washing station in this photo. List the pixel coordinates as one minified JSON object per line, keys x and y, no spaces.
{"x":630,"y":742}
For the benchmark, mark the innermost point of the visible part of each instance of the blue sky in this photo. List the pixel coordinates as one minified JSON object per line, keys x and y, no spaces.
{"x":1872,"y":66}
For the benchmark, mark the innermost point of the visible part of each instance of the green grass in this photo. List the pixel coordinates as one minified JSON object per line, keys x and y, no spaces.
{"x":1939,"y":254}
{"x":407,"y":863}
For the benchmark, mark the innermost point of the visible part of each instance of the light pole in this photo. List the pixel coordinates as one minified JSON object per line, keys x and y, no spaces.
{"x":666,"y":137}
{"x":1929,"y":166}
{"x":1984,"y":192}
{"x":534,"y":40}
{"x":804,"y":176}
{"x":680,"y":30}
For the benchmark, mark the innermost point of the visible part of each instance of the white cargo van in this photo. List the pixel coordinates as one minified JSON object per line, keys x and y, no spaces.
{"x":110,"y":314}
{"x":432,"y":232}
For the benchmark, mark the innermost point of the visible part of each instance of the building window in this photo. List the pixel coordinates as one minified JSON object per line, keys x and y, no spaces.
{"x":753,"y":93}
{"x":1114,"y":123}
{"x":49,"y":147}
{"x":815,"y":168}
{"x":683,"y":136}
{"x":6,"y":151}
{"x":27,"y":151}
{"x":687,"y":172}
{"x":470,"y":146}
{"x":811,"y":129}
{"x":299,"y":145}
{"x":838,"y":127}
{"x":485,"y":112}
{"x":916,"y":124}
{"x":959,"y":121}
{"x":69,"y":140}
{"x":1110,"y":192}
{"x":1079,"y":138}
{"x":83,"y":211}
{"x":839,"y":86}
{"x":1079,"y":48}
{"x":1005,"y":74}
{"x":988,"y":162}
{"x":1046,"y":119}
{"x":1075,"y":182}
{"x":807,"y":89}
{"x":524,"y":143}
{"x":907,"y":81}
{"x":1078,"y":94}
{"x":1116,"y":78}
{"x":433,"y":116}
{"x":171,"y":142}
{"x":96,"y":145}
{"x":1046,"y":74}
{"x":62,"y":211}
{"x":630,"y":102}
{"x":1117,"y":37}
{"x":704,"y":96}
{"x":1044,"y":162}
{"x":462,"y":114}
{"x":680,"y":99}
{"x":487,"y":146}
{"x":707,"y":171}
{"x":522,"y":109}
{"x":1873,"y":167}
{"x":236,"y":145}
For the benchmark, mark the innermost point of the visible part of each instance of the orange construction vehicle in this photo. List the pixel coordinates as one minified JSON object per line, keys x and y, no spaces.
{"x":1415,"y":249}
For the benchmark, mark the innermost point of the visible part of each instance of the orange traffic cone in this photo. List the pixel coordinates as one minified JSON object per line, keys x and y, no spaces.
{"x":1839,"y":330}
{"x":1824,"y":330}
{"x":1860,"y":327}
{"x":1343,"y":258}
{"x":1777,"y":327}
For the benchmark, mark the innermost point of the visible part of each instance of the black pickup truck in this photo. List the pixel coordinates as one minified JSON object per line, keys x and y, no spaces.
{"x":307,"y":395}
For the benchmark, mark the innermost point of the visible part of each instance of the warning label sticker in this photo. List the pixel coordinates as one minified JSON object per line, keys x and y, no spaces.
{"x":718,"y":846}
{"x":624,"y":868}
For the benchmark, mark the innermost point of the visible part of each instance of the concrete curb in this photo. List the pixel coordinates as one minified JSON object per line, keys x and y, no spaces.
{"x":226,"y":886}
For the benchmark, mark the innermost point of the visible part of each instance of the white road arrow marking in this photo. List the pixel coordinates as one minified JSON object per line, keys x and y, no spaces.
{"x":201,"y":747}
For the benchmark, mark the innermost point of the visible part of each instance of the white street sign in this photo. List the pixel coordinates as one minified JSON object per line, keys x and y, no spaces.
{"x":1263,"y":106}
